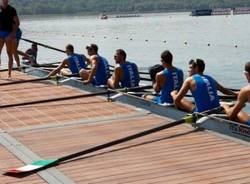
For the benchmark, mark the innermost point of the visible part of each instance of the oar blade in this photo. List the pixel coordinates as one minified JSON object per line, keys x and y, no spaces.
{"x":31,"y":167}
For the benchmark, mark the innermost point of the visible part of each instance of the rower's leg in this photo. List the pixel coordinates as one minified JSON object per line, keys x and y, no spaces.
{"x":243,"y":117}
{"x":184,"y":104}
{"x":84,"y":74}
{"x":65,"y":71}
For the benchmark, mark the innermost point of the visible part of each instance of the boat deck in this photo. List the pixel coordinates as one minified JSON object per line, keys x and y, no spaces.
{"x":177,"y":155}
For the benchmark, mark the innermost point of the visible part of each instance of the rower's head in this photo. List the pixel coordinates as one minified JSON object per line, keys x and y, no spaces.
{"x":34,"y":46}
{"x":166,"y":58}
{"x":198,"y":66}
{"x":120,"y":56}
{"x":191,"y":68}
{"x":92,"y":49}
{"x":69,"y":49}
{"x":247,"y":71}
{"x":5,"y":3}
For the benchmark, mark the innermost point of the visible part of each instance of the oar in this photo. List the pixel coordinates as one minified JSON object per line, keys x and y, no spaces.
{"x":54,"y":99}
{"x":221,"y":97}
{"x":43,"y":45}
{"x":29,"y":80}
{"x":44,"y":164}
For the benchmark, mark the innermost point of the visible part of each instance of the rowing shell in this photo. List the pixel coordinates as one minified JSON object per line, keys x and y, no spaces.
{"x":212,"y":123}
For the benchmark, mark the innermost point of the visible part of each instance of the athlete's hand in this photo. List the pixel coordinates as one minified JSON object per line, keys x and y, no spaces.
{"x":86,"y":82}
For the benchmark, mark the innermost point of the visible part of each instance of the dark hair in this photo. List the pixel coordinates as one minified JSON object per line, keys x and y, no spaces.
{"x":247,"y":67}
{"x":167,"y":57}
{"x":191,"y":62}
{"x":93,"y":46}
{"x":70,"y":47}
{"x":122,"y":52}
{"x":198,"y":63}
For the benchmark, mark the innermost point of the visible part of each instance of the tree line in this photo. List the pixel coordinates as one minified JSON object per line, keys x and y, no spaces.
{"x":119,"y":6}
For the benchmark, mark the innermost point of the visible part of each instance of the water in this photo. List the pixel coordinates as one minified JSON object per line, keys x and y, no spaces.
{"x":143,"y":40}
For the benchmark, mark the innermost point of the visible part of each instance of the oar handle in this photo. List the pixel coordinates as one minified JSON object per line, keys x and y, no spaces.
{"x":122,"y":140}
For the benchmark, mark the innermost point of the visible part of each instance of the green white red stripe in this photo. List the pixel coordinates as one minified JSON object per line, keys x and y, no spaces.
{"x":31,"y":167}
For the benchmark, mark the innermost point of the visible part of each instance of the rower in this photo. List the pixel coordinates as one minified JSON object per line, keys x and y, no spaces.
{"x":98,"y":73}
{"x":171,"y":78}
{"x":125,"y":73}
{"x":30,"y":55}
{"x":203,"y":88}
{"x":235,"y":113}
{"x":75,"y":62}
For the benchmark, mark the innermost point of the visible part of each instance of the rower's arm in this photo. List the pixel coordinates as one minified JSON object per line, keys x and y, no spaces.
{"x":159,"y":82}
{"x":16,"y":23}
{"x":232,"y":112}
{"x":94,"y":65}
{"x":224,"y":90}
{"x":113,"y":82}
{"x":63,"y":64}
{"x":183,"y":91}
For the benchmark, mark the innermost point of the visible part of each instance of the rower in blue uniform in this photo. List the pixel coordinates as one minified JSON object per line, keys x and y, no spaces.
{"x":166,"y":81}
{"x":99,"y":72}
{"x":75,"y":62}
{"x":203,"y":88}
{"x":125,"y":74}
{"x":235,"y":113}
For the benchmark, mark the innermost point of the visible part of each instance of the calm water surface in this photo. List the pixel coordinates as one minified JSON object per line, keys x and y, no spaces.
{"x":145,"y":37}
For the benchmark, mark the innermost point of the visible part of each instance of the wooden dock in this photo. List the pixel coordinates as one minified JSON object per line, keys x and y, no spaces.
{"x":44,"y":131}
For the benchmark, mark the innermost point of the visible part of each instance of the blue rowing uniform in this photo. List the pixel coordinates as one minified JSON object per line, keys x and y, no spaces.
{"x":174,"y":81}
{"x":102,"y":72}
{"x":205,"y":94}
{"x":131,"y":76}
{"x":76,"y":63}
{"x":248,"y":122}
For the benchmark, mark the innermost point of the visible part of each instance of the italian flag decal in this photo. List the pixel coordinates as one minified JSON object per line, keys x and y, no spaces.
{"x":31,"y":167}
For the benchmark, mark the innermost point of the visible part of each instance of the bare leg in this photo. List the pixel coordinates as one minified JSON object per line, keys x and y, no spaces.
{"x":1,"y":47}
{"x":16,"y":56}
{"x":9,"y":47}
{"x":65,"y":71}
{"x":184,"y":104}
{"x":243,"y":117}
{"x":84,"y":74}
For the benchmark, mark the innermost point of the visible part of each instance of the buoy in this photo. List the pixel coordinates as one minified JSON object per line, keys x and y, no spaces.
{"x":131,"y":39}
{"x":165,"y":41}
{"x":104,"y":37}
{"x":146,"y":40}
{"x":116,"y":38}
{"x":235,"y":45}
{"x":208,"y":44}
{"x":185,"y":42}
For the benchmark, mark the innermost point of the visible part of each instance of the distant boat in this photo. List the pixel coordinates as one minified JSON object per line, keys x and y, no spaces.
{"x":127,"y":16}
{"x":104,"y":17}
{"x":201,"y":12}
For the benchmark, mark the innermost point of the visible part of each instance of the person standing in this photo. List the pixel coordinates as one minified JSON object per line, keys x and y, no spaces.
{"x":9,"y":24}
